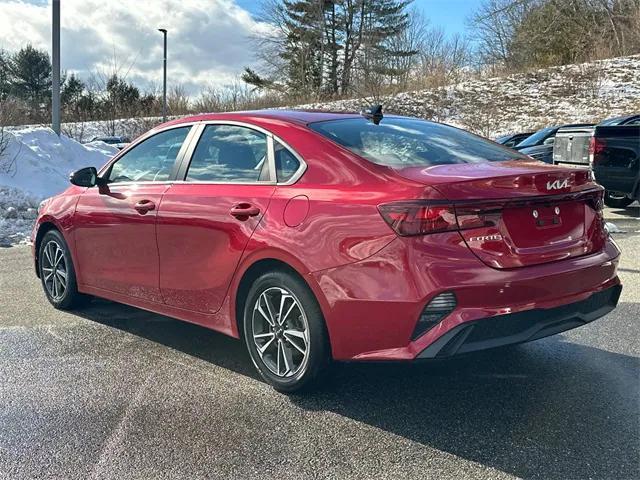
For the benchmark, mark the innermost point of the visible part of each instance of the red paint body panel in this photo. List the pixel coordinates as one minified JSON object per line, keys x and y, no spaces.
{"x":187,"y":257}
{"x":115,"y":245}
{"x":200,"y":250}
{"x":372,"y":321}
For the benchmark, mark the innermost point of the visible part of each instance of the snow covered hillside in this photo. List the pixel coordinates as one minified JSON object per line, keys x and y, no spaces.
{"x":586,"y":92}
{"x":35,"y":165}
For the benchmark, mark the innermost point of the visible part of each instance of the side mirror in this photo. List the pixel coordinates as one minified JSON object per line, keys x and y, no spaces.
{"x":549,"y":141}
{"x":85,"y":177}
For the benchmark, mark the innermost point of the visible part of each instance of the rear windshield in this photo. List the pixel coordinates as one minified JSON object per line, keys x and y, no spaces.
{"x":404,"y":142}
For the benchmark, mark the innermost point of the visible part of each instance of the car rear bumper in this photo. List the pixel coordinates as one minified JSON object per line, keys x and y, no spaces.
{"x":372,"y":306}
{"x":509,"y":329}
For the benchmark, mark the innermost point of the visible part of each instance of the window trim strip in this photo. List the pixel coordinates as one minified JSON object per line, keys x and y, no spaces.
{"x":271,"y":138}
{"x":183,"y":159}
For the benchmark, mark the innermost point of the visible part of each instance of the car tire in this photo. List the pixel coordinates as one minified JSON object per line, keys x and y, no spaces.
{"x":616,"y":200}
{"x":57,"y":273}
{"x":286,"y":338}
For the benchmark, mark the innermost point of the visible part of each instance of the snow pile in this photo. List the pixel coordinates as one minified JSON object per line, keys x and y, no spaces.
{"x":86,"y":131}
{"x":38,"y":162}
{"x":36,"y":165}
{"x":17,"y":213}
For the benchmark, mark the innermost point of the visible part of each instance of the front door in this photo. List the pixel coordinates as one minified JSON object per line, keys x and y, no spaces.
{"x":115,"y":222}
{"x":206,"y":221}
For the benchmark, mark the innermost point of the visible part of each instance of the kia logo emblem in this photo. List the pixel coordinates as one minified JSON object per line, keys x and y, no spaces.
{"x":558,"y":185}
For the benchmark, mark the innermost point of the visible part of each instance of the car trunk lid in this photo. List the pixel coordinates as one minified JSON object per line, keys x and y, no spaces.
{"x":530,"y":213}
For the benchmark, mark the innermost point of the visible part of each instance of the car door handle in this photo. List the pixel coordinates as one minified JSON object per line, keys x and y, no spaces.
{"x":245,"y":210}
{"x":143,"y":206}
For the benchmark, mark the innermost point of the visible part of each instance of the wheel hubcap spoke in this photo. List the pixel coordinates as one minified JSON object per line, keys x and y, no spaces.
{"x":267,"y":316}
{"x":289,"y":335}
{"x":264,"y":347}
{"x":281,"y":337}
{"x":54,"y":270}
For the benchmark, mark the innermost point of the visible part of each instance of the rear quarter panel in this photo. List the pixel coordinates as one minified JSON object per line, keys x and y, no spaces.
{"x":335,"y":211}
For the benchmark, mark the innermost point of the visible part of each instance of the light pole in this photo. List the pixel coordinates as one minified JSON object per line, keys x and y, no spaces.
{"x":55,"y":67}
{"x":164,"y":76}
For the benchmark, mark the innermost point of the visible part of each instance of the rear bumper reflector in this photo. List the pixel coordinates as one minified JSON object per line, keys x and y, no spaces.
{"x":439,"y":307}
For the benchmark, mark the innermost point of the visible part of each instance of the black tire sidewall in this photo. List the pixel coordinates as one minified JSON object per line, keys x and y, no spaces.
{"x":71,"y":295}
{"x":317,"y":362}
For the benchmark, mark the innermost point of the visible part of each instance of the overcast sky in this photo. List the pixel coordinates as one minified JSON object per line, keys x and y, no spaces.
{"x":210,"y":41}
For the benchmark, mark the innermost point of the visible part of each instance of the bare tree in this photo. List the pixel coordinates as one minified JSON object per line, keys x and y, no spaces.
{"x":9,"y":113}
{"x":178,"y":100}
{"x":494,"y":24}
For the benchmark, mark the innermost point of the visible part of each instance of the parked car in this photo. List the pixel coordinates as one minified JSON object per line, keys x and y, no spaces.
{"x":540,"y":145}
{"x":324,"y":236}
{"x":613,"y":152}
{"x":118,"y":142}
{"x":619,"y":121}
{"x":513,"y":139}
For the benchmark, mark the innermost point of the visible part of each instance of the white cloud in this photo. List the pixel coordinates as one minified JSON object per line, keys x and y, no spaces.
{"x":209,"y":40}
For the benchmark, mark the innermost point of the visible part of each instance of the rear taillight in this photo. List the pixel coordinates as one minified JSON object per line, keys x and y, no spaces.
{"x":596,"y":147}
{"x":421,"y":218}
{"x":418,"y":218}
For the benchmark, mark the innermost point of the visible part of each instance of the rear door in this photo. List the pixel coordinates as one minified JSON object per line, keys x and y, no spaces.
{"x":207,"y":218}
{"x":115,"y":223}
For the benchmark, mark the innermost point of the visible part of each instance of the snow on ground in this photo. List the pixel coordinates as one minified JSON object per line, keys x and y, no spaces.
{"x":36,"y":165}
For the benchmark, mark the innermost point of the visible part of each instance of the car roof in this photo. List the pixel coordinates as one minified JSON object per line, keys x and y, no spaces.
{"x":558,"y":127}
{"x":300,"y":117}
{"x":576,"y":125}
{"x":619,"y":120}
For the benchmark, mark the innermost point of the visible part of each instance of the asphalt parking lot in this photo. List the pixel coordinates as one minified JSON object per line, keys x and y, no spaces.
{"x":115,"y":392}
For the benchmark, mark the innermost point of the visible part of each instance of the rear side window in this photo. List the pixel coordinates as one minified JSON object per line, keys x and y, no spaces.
{"x":400,"y":142}
{"x":286,"y":162}
{"x":229,"y":153}
{"x":152,"y":160}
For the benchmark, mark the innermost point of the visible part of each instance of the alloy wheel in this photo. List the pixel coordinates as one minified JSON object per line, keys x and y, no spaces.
{"x":280,"y":332}
{"x":54,"y":270}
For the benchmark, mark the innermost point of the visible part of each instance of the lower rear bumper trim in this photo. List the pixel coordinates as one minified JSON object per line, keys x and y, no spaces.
{"x":522,"y":326}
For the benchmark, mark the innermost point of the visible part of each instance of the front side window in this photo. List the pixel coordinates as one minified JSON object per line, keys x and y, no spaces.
{"x":405,"y":142}
{"x":229,"y":153}
{"x":150,"y":161}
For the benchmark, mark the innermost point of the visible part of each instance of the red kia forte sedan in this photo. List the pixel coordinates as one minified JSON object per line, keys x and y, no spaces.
{"x":323,"y":236}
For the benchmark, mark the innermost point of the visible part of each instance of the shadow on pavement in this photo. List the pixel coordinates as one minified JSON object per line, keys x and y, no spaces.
{"x":632,"y":211}
{"x":549,"y":409}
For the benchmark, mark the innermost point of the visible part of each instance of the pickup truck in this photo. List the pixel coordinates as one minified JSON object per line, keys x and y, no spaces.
{"x":613,"y":153}
{"x":539,"y":146}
